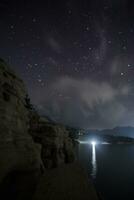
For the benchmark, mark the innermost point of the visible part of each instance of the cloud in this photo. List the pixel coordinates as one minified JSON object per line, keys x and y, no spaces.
{"x":84,"y":103}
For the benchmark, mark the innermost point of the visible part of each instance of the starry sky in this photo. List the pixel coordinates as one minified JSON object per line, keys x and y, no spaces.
{"x":76,"y":58}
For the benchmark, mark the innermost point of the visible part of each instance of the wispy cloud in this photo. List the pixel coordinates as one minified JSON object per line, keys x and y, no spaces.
{"x":84,"y":103}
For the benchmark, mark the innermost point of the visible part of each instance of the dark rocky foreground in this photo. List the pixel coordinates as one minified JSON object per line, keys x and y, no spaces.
{"x":34,"y":153}
{"x":68,"y":182}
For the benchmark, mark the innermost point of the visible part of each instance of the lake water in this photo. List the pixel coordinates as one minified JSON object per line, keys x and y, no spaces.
{"x":111,"y":168}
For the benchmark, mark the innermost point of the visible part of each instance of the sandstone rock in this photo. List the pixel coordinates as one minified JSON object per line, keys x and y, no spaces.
{"x":25,"y":138}
{"x":57,"y":146}
{"x":18,"y":152}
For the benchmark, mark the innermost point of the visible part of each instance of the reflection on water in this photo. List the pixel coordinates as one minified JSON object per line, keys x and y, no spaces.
{"x":94,"y":162}
{"x":111,"y":168}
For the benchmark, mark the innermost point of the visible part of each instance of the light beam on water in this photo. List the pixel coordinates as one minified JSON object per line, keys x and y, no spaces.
{"x":94,"y":162}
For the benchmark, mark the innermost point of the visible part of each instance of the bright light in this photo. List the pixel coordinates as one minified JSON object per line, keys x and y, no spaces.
{"x":93,"y":143}
{"x":94,"y":162}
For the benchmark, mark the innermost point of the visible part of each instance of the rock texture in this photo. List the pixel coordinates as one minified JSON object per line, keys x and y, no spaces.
{"x":25,"y":141}
{"x":68,"y":182}
{"x":19,"y":155}
{"x":57,"y":146}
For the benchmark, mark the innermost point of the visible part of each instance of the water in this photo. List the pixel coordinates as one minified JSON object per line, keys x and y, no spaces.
{"x":111,"y":168}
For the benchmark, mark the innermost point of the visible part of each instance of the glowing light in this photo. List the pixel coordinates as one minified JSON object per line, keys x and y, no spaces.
{"x":94,"y":162}
{"x":93,"y":143}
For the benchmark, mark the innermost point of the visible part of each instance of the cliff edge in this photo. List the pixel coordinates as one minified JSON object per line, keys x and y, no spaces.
{"x":20,"y":160}
{"x":35,"y":154}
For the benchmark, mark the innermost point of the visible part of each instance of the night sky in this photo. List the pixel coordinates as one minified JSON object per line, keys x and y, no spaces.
{"x":76,"y":58}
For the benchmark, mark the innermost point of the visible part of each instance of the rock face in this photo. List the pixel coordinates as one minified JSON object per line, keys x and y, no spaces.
{"x":57,"y":146}
{"x":25,"y":138}
{"x":19,"y":155}
{"x":68,"y":182}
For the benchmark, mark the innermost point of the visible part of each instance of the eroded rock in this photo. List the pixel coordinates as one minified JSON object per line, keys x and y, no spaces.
{"x":57,"y":146}
{"x":18,"y":152}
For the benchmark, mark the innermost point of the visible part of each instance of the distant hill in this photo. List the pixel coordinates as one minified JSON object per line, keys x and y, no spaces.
{"x":117,"y":131}
{"x":120,"y":131}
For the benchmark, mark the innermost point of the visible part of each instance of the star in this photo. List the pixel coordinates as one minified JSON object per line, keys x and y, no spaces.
{"x":87,"y":28}
{"x":34,"y":20}
{"x":124,"y":48}
{"x":39,"y":80}
{"x":29,"y":65}
{"x":21,"y":17}
{"x":109,"y":42}
{"x":69,"y":12}
{"x":12,"y":26}
{"x":60,"y":95}
{"x":76,"y":69}
{"x":120,"y":32}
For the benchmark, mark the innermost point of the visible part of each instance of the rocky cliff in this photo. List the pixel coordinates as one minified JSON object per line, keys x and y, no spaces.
{"x":19,"y":155}
{"x":29,"y":144}
{"x":57,"y":146}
